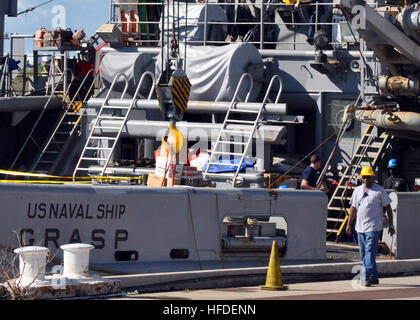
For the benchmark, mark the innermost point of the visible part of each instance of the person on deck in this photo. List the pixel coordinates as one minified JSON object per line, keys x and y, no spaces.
{"x":309,"y":175}
{"x":395,"y":180}
{"x":366,"y":206}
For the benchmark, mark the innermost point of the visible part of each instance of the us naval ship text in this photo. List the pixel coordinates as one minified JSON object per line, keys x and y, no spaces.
{"x":74,"y":211}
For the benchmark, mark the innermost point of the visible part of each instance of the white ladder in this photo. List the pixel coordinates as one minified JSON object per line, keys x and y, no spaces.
{"x":247,"y":135}
{"x":93,"y":151}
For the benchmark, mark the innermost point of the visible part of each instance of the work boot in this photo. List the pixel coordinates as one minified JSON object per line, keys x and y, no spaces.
{"x":373,"y":281}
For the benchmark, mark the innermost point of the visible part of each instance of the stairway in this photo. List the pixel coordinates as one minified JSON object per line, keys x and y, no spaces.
{"x":32,"y":134}
{"x":368,"y":153}
{"x":55,"y":147}
{"x":224,"y":140}
{"x":103,"y":138}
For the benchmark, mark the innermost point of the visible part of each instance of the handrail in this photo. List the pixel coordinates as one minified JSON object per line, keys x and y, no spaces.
{"x":228,"y":113}
{"x":39,"y":117}
{"x":267,"y":93}
{"x":147,"y":73}
{"x":269,"y":89}
{"x":61,"y":120}
{"x":144,"y":37}
{"x":136,"y":93}
{"x":117,"y":76}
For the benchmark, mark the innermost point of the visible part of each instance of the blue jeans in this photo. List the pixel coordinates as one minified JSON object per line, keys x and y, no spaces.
{"x":368,"y":248}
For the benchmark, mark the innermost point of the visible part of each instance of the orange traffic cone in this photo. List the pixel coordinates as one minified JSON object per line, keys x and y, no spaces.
{"x":274,"y":280}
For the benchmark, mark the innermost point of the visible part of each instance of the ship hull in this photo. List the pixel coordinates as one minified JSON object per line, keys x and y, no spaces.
{"x":185,"y":228}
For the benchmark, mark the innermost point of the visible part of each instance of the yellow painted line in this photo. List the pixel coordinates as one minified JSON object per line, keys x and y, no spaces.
{"x":27,"y":174}
{"x":367,"y":129}
{"x":43,"y":175}
{"x":42,"y":181}
{"x":59,"y":182}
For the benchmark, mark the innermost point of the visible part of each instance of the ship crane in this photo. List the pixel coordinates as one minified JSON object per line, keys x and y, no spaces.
{"x":173,"y":86}
{"x":396,"y":44}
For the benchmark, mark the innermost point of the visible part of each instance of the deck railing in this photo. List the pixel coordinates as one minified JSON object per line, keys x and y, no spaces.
{"x":141,"y":31}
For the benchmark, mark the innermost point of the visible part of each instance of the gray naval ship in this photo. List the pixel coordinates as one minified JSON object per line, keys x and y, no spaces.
{"x":234,"y":96}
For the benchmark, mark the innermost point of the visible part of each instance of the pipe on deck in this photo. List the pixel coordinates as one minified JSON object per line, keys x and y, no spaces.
{"x":198,"y":107}
{"x":31,"y":103}
{"x":400,"y":120}
{"x":193,"y":131}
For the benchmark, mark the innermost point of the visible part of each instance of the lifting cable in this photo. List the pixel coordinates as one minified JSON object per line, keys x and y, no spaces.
{"x":340,"y":135}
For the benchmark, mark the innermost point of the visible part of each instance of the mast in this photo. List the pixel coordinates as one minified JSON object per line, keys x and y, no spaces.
{"x":7,"y":7}
{"x":2,"y":14}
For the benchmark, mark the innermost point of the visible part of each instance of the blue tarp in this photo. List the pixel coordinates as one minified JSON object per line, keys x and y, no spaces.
{"x":214,"y":168}
{"x":14,"y":65}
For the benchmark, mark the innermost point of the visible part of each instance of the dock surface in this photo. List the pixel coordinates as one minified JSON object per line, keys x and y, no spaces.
{"x":404,"y":288}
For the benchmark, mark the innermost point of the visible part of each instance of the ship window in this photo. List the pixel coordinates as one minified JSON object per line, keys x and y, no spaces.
{"x":179,"y":253}
{"x":126,"y":255}
{"x":335,"y":114}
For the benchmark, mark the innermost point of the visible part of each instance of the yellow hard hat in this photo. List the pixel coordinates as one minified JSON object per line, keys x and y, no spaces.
{"x":367,"y":171}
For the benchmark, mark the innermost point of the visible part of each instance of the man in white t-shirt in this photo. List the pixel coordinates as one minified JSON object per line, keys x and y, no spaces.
{"x":367,"y":203}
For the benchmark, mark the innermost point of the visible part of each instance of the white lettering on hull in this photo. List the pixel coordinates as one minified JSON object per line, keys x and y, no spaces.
{"x":67,"y":211}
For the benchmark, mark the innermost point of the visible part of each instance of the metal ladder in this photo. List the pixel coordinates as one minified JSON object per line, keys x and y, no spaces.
{"x":30,"y":135}
{"x":367,"y":153}
{"x":54,"y":148}
{"x":92,"y":151}
{"x":246,"y":134}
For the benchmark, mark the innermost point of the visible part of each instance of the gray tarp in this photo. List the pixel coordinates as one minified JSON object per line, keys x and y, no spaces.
{"x":214,"y":72}
{"x":131,"y":64}
{"x":195,"y":17}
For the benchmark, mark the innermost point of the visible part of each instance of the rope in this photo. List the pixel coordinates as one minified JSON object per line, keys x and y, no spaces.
{"x":299,"y":162}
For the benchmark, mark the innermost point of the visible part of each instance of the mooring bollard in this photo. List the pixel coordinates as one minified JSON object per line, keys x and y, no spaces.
{"x":32,"y":261}
{"x":76,"y":259}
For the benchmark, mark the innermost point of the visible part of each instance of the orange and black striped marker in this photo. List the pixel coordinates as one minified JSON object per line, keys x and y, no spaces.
{"x":180,"y":88}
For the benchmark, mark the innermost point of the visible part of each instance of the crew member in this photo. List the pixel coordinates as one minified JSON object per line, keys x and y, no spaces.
{"x":367,"y":203}
{"x":309,"y":175}
{"x":395,"y":181}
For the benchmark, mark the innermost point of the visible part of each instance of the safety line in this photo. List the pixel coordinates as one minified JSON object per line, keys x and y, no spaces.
{"x":63,"y":178}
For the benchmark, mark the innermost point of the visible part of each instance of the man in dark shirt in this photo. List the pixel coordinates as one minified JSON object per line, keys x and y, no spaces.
{"x":395,"y":181}
{"x":309,"y":175}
